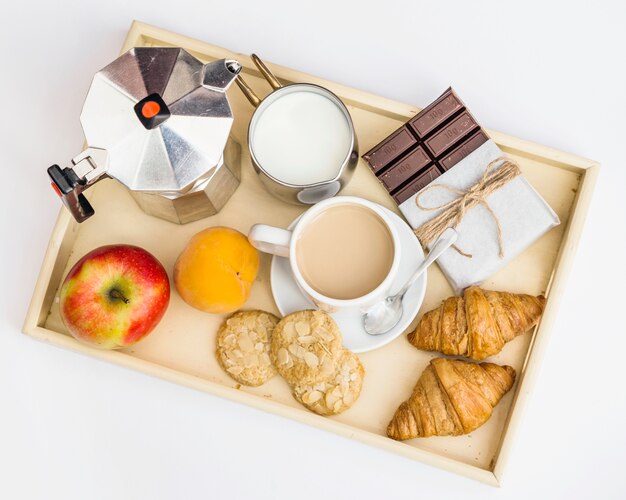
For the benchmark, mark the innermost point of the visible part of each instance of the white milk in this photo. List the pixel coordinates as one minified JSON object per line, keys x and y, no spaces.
{"x":301,"y":138}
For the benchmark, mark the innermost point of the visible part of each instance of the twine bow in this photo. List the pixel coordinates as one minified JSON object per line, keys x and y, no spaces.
{"x":453,"y":212}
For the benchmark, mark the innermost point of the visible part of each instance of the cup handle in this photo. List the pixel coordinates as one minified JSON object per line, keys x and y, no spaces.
{"x":270,"y":239}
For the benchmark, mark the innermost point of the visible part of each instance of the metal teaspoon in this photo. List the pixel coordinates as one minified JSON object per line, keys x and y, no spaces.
{"x":384,"y":315}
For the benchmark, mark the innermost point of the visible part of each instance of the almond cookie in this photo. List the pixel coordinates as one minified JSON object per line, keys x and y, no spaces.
{"x":306,"y":346}
{"x":338,"y":393}
{"x":243,"y":345}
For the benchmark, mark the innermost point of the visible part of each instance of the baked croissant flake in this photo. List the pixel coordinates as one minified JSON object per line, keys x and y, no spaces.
{"x":478,"y":324}
{"x":451,"y":397}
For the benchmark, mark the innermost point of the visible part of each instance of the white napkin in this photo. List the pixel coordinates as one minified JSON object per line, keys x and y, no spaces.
{"x":524,"y":217}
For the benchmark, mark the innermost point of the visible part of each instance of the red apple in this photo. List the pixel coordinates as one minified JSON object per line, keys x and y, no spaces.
{"x":114,"y":296}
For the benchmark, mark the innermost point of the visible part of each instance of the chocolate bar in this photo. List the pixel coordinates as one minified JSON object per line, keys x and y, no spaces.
{"x":429,"y":144}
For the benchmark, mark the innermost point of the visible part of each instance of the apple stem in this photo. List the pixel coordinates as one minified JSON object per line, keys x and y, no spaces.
{"x":116,"y":294}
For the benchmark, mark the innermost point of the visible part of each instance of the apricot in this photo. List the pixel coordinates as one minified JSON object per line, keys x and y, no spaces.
{"x":215,"y":271}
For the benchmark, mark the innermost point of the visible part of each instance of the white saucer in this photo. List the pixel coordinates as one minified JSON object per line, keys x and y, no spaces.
{"x":289,"y":298}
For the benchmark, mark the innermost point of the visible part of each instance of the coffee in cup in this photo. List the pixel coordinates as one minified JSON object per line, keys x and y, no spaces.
{"x":345,"y":251}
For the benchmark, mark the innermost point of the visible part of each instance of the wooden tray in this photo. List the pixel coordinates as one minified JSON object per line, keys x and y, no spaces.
{"x":181,"y":348}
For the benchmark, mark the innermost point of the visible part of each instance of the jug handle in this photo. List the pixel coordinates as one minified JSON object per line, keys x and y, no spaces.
{"x":247,"y":91}
{"x":265,"y":71}
{"x":267,"y":74}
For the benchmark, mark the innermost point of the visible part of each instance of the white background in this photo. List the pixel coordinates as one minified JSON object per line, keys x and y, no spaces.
{"x":75,"y":428}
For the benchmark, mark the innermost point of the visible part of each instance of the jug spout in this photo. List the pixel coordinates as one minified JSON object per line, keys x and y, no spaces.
{"x":218,"y":75}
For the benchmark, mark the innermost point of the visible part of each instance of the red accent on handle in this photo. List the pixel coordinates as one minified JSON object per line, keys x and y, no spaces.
{"x":56,"y":189}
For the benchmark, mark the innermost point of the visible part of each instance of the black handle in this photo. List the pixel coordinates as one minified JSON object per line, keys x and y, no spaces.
{"x":69,"y":187}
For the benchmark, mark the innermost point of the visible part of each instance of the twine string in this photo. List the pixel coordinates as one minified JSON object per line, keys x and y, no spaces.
{"x":452,"y":212}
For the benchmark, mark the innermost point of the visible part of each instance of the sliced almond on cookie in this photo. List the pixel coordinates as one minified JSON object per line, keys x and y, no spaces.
{"x":311,"y":359}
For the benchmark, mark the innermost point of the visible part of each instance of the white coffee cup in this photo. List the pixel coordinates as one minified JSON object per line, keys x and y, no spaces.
{"x":283,"y":242}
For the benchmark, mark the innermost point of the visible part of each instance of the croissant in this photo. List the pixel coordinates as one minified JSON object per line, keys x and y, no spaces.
{"x":478,"y":324}
{"x":451,"y":397}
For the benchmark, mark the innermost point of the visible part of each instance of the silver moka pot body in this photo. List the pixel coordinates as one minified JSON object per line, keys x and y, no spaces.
{"x":158,"y":121}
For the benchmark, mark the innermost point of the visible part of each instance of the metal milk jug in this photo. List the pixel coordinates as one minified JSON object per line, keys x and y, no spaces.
{"x":158,"y":121}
